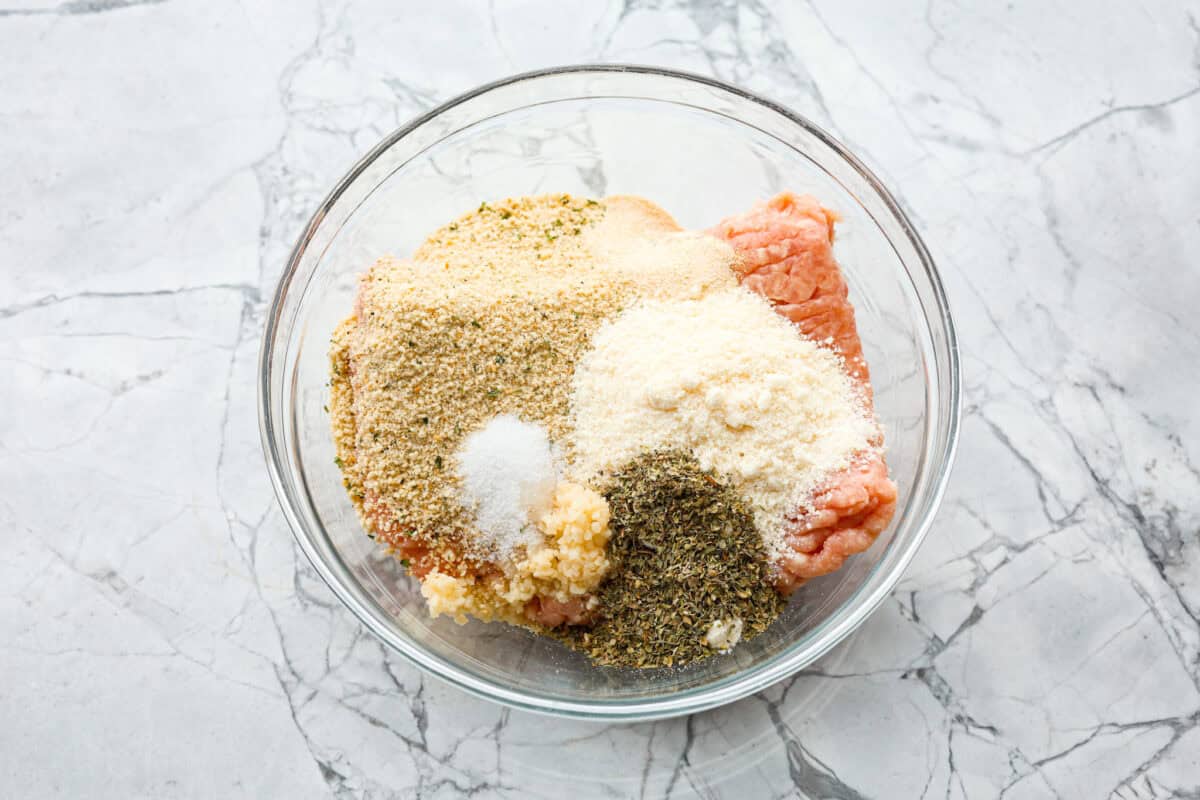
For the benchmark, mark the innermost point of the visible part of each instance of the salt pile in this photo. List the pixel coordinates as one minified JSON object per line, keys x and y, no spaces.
{"x":509,"y":471}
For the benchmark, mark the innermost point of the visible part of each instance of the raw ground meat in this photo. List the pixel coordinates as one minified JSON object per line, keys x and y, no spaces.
{"x":854,"y":507}
{"x":786,"y":247}
{"x":420,"y":557}
{"x":552,"y":612}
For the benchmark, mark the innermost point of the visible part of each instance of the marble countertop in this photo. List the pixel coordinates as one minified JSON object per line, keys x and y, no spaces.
{"x":162,"y":635}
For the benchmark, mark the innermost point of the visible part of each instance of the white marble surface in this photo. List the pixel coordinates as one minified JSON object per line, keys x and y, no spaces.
{"x":162,"y":637}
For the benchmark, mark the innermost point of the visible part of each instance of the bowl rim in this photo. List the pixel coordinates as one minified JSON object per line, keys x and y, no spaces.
{"x":734,"y":687}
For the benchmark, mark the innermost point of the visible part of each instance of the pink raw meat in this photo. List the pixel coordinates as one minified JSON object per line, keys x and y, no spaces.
{"x":786,"y":249}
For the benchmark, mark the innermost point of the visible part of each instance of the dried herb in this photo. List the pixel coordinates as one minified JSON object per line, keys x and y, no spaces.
{"x":684,"y":553}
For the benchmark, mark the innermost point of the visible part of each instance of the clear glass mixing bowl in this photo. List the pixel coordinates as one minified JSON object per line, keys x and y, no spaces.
{"x":702,"y":150}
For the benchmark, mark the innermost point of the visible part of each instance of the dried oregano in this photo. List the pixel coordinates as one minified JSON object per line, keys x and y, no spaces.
{"x":685,"y":553}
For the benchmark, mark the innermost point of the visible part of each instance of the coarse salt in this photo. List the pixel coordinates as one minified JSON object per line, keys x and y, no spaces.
{"x":509,"y":472}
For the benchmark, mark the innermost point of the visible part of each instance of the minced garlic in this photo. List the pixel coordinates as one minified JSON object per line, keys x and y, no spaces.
{"x":572,"y":560}
{"x":570,"y":563}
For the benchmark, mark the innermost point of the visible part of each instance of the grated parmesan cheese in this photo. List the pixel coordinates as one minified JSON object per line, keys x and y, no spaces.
{"x":733,"y":384}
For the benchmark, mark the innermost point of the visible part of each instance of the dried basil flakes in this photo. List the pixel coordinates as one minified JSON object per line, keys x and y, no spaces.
{"x":685,"y":554}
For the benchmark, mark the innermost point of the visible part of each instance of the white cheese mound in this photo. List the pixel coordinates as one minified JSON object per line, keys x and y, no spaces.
{"x":728,"y":380}
{"x":508,"y":472}
{"x":724,"y":634}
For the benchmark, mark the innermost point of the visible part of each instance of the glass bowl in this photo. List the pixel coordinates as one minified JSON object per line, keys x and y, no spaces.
{"x":702,"y":150}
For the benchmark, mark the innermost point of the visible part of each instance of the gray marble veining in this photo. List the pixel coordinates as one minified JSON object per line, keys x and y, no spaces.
{"x":162,"y":637}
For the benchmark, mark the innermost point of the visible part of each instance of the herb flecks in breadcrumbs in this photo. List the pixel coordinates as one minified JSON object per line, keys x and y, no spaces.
{"x":443,"y":343}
